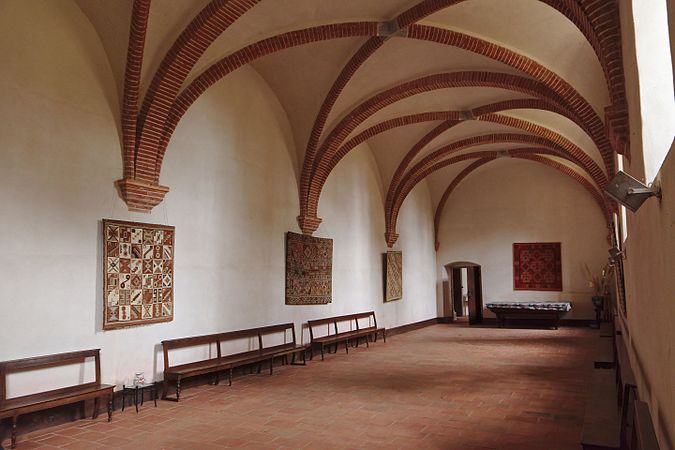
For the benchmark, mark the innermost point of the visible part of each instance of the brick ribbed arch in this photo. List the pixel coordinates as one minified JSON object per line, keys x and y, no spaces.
{"x":491,"y":108}
{"x":569,"y":8}
{"x":413,"y":178}
{"x":315,"y":173}
{"x":599,"y":22}
{"x":452,"y":118}
{"x":448,"y":116}
{"x":568,"y":95}
{"x":205,"y":28}
{"x":398,"y":191}
{"x":244,"y":56}
{"x":151,"y":160}
{"x":606,"y":212}
{"x":141,"y":131}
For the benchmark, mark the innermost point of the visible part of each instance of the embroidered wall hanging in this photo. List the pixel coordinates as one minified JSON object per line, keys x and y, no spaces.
{"x":537,"y":266}
{"x":137,"y":273}
{"x":309,"y":270}
{"x":393,"y":276}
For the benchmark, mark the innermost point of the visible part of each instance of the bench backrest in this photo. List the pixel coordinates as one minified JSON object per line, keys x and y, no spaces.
{"x":47,"y":361}
{"x":352,"y":318}
{"x":217,"y":338}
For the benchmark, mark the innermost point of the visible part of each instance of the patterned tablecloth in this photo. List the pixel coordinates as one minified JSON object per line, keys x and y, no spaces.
{"x":533,"y":306}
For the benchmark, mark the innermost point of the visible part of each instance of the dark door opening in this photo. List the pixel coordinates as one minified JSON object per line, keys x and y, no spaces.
{"x":466,"y":292}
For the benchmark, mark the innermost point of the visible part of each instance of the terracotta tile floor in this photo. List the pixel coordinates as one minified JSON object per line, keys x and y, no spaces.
{"x":442,"y":387}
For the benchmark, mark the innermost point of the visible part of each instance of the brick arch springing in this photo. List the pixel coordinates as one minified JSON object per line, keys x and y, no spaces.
{"x":606,"y":212}
{"x":174,"y":69}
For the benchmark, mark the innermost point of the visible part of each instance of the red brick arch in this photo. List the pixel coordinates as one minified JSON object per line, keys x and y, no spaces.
{"x":599,"y":22}
{"x":571,"y":9}
{"x":452,"y":118}
{"x":311,"y":184}
{"x":190,"y":45}
{"x":398,"y":191}
{"x":606,"y":212}
{"x":153,"y":135}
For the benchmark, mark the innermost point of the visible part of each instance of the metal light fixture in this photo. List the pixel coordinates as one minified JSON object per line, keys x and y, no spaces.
{"x":615,"y":255}
{"x":630,"y":192}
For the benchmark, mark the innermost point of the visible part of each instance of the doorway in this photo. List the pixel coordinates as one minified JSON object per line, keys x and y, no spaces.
{"x":466,"y":292}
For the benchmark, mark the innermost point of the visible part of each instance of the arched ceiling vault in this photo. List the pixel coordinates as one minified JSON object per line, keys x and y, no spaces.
{"x":449,"y":74}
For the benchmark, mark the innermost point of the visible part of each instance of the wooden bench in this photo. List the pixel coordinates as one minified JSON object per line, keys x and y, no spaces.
{"x":611,"y":421}
{"x":643,"y":437}
{"x":16,"y":406}
{"x":219,"y":363}
{"x":601,"y":428}
{"x":335,"y":337}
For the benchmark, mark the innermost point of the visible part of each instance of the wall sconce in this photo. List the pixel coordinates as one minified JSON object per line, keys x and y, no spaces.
{"x":615,"y":255}
{"x":630,"y":192}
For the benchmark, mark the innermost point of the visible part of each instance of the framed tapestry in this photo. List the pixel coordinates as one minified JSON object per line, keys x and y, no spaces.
{"x":137,"y":273}
{"x":393,"y":269}
{"x":537,"y":266}
{"x":309,"y":270}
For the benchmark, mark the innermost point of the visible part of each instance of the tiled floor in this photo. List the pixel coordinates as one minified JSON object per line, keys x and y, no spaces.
{"x":442,"y":387}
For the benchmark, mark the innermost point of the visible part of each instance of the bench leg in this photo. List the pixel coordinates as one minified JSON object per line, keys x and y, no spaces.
{"x":95,"y":413}
{"x":321,"y":352}
{"x":110,"y":407}
{"x":178,"y":389}
{"x":165,"y":390}
{"x":367,"y":339}
{"x":346,"y":346}
{"x":14,"y":431}
{"x":384,"y":336}
{"x":230,"y":376}
{"x":271,"y":365}
{"x":217,"y":380}
{"x":82,"y":414}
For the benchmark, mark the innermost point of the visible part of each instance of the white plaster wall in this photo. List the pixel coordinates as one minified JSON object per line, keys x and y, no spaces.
{"x":650,"y":302}
{"x":231,"y":170}
{"x":509,"y":201}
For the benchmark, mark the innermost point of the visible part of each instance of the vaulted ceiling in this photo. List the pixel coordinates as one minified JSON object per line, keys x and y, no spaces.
{"x":436,"y":88}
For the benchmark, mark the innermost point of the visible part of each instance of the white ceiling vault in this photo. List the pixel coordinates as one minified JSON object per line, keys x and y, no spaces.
{"x":436,"y":88}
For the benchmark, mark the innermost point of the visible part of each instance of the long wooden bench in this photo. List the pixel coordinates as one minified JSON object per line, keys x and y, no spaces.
{"x":335,"y":337}
{"x":220,"y":363}
{"x":643,"y":437}
{"x":17,"y":406}
{"x":615,"y":418}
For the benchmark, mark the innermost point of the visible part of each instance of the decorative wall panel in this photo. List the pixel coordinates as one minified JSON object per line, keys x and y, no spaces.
{"x":309,"y":270}
{"x":537,"y":266}
{"x":393,"y":276}
{"x":137,"y":273}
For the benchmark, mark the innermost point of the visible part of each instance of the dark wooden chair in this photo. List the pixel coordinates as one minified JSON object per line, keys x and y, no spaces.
{"x":335,"y":337}
{"x":220,"y":363}
{"x":16,"y":406}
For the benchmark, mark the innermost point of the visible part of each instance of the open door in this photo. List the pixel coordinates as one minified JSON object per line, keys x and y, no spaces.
{"x":474,"y":291}
{"x":474,"y":295}
{"x":457,"y":291}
